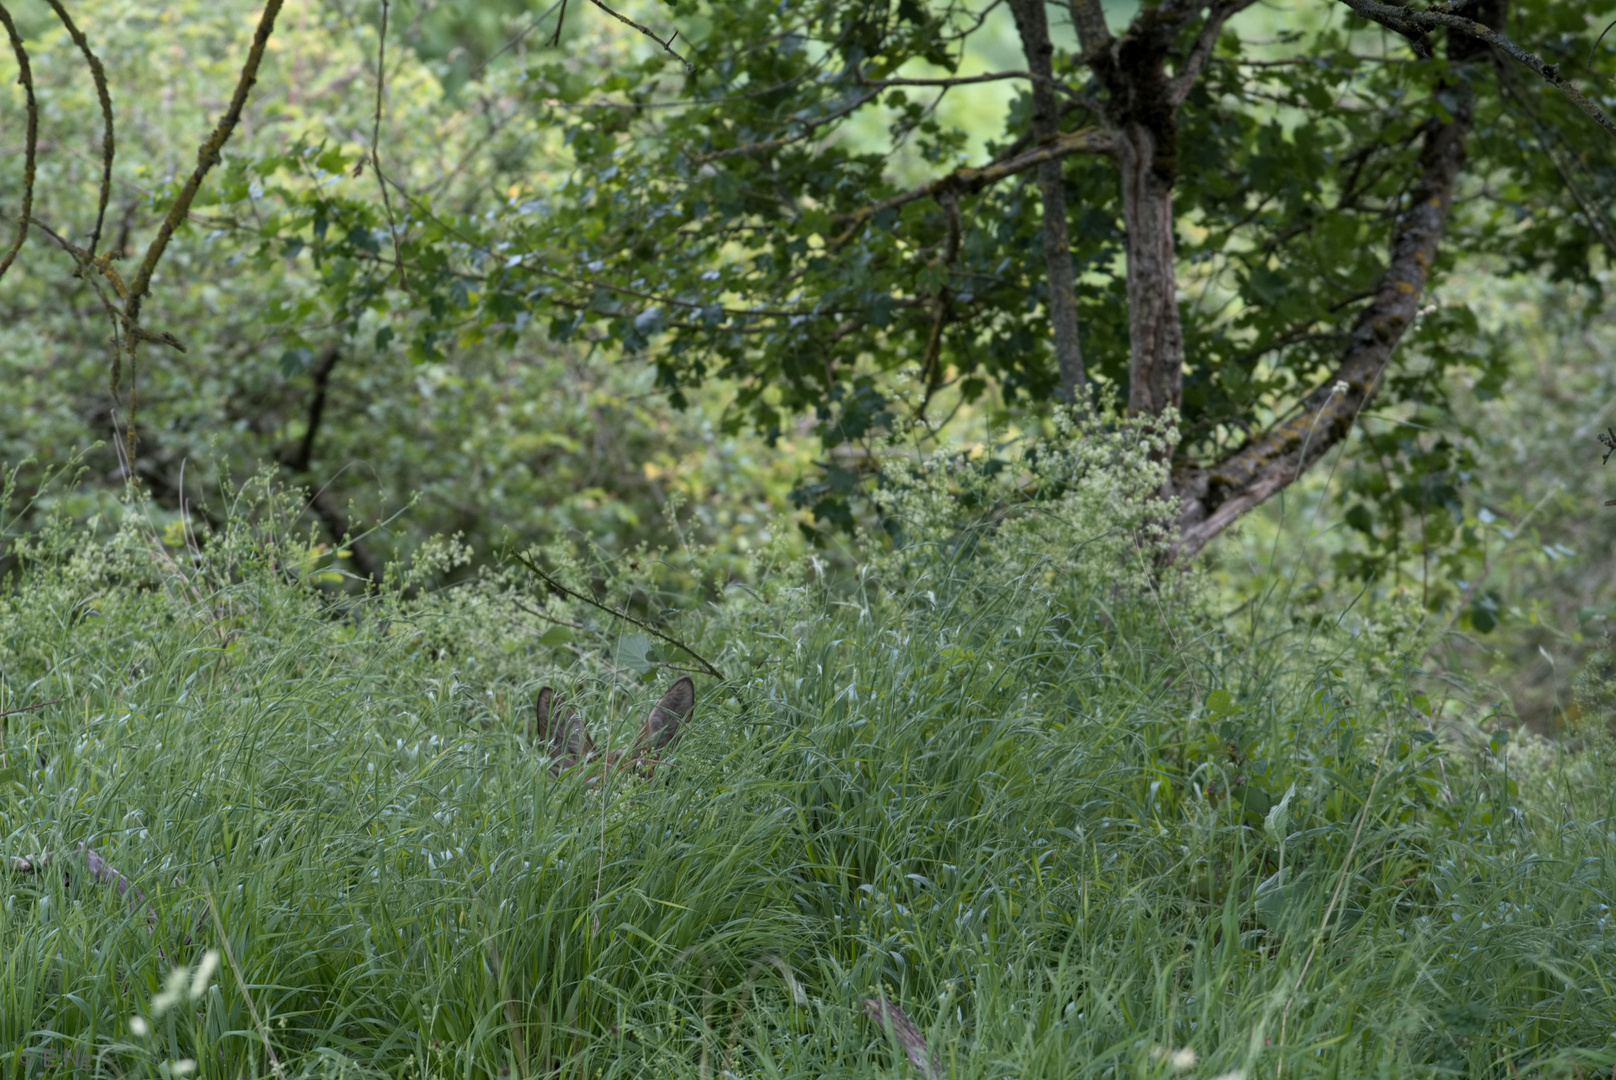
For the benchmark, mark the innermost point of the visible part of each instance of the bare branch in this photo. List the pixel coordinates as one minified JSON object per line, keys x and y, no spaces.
{"x":30,"y":140}
{"x":98,"y":74}
{"x":1412,"y":23}
{"x":667,"y":46}
{"x":207,"y":156}
{"x":969,"y":80}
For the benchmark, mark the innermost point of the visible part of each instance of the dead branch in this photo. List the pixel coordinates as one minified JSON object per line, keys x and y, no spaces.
{"x":667,"y":46}
{"x":890,"y":1016}
{"x":98,"y":75}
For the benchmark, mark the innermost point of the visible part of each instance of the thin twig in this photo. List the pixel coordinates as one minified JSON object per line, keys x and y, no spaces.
{"x":99,"y":75}
{"x":31,"y":708}
{"x":706,"y":665}
{"x":30,"y":139}
{"x":561,"y":20}
{"x":971,"y":179}
{"x":667,"y":46}
{"x":970,"y":80}
{"x":376,"y":153}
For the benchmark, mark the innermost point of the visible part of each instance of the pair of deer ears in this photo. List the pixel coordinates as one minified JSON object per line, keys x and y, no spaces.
{"x":568,"y":741}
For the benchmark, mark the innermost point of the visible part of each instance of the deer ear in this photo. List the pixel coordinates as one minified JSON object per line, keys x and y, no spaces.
{"x":570,"y":744}
{"x":667,"y":717}
{"x":541,"y":721}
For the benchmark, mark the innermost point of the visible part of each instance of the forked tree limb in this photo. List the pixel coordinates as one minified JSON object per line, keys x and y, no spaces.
{"x":1213,"y":499}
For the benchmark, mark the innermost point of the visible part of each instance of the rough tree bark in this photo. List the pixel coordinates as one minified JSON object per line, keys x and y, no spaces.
{"x":1033,"y":24}
{"x":1140,"y":109}
{"x":1213,"y":499}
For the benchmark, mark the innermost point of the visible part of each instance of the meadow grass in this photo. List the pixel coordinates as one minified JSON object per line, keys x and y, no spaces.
{"x":1071,"y":825}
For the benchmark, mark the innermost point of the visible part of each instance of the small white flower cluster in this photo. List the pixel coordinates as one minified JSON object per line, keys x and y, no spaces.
{"x":1077,"y":508}
{"x":182,"y":985}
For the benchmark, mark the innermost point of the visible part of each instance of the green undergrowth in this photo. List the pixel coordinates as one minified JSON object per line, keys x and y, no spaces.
{"x":1006,"y":776}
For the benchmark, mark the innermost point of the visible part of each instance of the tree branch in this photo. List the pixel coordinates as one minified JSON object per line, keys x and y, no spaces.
{"x":971,"y":179}
{"x":1412,"y":23}
{"x":321,"y":502}
{"x":30,"y":140}
{"x":968,"y":80}
{"x":1213,"y":499}
{"x":1088,"y":16}
{"x":1178,"y":88}
{"x":1033,"y":25}
{"x":667,"y":46}
{"x":98,"y":75}
{"x":207,"y":156}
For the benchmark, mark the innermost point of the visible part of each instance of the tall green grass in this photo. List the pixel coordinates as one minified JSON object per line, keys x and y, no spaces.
{"x":1007,"y":778}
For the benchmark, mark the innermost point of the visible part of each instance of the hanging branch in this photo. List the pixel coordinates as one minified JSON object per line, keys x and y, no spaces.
{"x":99,"y":75}
{"x":649,"y":629}
{"x":30,"y":140}
{"x":376,"y":154}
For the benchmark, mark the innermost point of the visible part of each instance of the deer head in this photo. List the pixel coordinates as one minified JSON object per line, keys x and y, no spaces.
{"x":563,"y":733}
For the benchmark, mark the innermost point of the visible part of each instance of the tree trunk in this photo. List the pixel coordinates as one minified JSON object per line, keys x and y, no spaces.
{"x":1143,"y":112}
{"x":1156,"y":341}
{"x":1033,"y":24}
